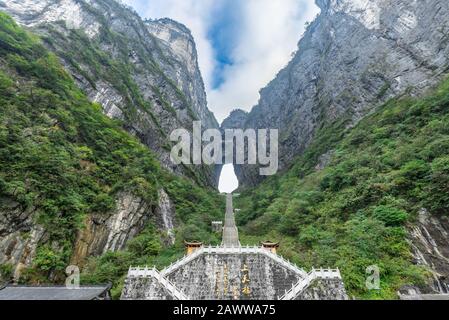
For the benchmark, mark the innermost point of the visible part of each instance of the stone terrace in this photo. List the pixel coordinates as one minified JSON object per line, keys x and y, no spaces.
{"x":233,"y":272}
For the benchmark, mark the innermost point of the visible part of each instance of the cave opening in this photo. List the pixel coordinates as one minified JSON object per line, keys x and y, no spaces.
{"x":228,"y":179}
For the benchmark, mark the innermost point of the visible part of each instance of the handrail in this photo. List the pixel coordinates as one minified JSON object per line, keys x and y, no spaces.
{"x":147,"y":272}
{"x":233,"y":250}
{"x":305,"y":278}
{"x":305,"y":282}
{"x":181,"y":262}
{"x":285,"y":263}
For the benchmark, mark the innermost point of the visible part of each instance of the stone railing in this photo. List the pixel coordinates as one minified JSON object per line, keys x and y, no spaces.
{"x":181,"y":262}
{"x":286,"y":263}
{"x":153,"y":273}
{"x":234,"y":250}
{"x":306,"y":281}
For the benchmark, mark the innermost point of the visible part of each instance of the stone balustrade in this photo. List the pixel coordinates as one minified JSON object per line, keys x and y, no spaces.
{"x":232,"y":272}
{"x":306,"y":281}
{"x":153,"y":273}
{"x":233,"y":250}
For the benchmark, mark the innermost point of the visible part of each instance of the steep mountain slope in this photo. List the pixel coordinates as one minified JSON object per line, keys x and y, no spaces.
{"x":144,"y":73}
{"x":73,"y":183}
{"x":356,"y":55}
{"x":380,"y":198}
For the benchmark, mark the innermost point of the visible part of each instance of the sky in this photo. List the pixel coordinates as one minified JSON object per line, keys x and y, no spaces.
{"x":242,"y":45}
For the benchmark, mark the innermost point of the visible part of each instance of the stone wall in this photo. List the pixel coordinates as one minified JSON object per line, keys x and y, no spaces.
{"x":324,"y":289}
{"x":208,"y":275}
{"x":144,"y":288}
{"x":233,"y":277}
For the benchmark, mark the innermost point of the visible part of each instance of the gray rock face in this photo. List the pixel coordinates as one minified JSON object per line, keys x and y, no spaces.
{"x":429,"y":239}
{"x":177,"y":41}
{"x":356,"y":55}
{"x":20,"y":235}
{"x":166,"y":216}
{"x":111,"y":232}
{"x":236,"y":120}
{"x":144,"y":73}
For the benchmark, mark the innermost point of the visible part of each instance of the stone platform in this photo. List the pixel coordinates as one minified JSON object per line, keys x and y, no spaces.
{"x":233,"y":272}
{"x":219,"y":273}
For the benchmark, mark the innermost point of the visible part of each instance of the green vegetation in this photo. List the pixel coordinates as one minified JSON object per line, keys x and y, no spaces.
{"x":119,"y":59}
{"x":354,"y":213}
{"x":6,"y":273}
{"x":63,"y":160}
{"x":118,"y":69}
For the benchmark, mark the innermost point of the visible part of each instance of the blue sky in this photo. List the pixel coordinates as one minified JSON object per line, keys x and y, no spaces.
{"x":221,"y":34}
{"x":242,"y":45}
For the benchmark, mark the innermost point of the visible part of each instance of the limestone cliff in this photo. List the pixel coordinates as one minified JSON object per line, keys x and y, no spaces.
{"x":429,"y":239}
{"x":143,"y":73}
{"x":20,"y":235}
{"x":356,"y":55}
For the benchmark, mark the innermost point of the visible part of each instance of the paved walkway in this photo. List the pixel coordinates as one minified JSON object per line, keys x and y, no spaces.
{"x":230,"y":231}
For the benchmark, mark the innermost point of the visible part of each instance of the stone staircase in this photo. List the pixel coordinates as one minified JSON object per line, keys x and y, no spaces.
{"x":233,"y":250}
{"x":306,"y":280}
{"x":232,"y":272}
{"x":153,"y":273}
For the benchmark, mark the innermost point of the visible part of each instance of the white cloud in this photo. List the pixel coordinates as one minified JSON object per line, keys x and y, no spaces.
{"x":269,"y":31}
{"x":268,"y":34}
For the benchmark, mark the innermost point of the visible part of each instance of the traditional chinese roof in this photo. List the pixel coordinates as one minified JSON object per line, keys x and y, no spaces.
{"x":269,"y":244}
{"x":11,"y":292}
{"x":193,"y":244}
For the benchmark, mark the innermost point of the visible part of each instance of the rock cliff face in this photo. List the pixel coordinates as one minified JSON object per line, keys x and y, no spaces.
{"x":356,"y":55}
{"x":20,"y":236}
{"x":111,"y":232}
{"x":236,"y":120}
{"x":429,"y":239}
{"x":166,"y":216}
{"x":143,"y":73}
